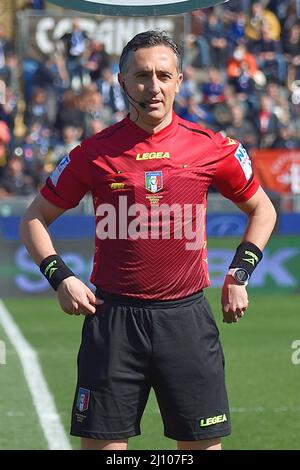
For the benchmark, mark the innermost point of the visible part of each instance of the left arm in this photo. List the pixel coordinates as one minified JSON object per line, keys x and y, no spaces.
{"x":261,"y":221}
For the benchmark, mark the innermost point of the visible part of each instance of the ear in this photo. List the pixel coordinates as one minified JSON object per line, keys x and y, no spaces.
{"x":121,"y":80}
{"x":178,"y":82}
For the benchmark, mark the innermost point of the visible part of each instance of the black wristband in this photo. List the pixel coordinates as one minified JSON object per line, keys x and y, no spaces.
{"x":55,"y":270}
{"x":247,"y":256}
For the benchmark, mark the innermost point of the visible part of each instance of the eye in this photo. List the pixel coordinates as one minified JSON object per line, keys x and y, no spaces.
{"x":165,"y":77}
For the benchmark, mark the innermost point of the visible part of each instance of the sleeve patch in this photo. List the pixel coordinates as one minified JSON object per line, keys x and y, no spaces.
{"x":230,"y":141}
{"x":59,"y":169}
{"x":244,"y":160}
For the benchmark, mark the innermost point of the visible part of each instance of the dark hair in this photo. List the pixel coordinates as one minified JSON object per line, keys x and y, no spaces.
{"x":146,"y":39}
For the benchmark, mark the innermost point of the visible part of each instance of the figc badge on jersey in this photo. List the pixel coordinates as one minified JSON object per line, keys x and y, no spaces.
{"x":153,"y":181}
{"x":244,"y":160}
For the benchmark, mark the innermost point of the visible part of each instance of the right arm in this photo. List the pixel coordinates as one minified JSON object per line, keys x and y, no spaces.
{"x":73,"y":295}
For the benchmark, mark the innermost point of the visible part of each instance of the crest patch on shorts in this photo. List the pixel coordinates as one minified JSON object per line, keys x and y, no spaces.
{"x":83,"y":399}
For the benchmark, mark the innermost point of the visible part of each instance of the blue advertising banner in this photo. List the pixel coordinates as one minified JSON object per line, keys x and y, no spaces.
{"x":289,"y":224}
{"x":81,"y":226}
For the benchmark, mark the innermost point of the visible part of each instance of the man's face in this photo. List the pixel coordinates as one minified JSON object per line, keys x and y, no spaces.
{"x":151,"y":77}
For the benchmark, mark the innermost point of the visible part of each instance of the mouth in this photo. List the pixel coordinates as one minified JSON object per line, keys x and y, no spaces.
{"x":153,"y":103}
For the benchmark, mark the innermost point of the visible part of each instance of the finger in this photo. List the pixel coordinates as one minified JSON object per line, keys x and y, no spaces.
{"x":93,"y":299}
{"x":225,"y":316}
{"x":70,"y":308}
{"x":90,"y":296}
{"x":80,"y":307}
{"x":87,"y":309}
{"x":227,"y":319}
{"x":240,"y":312}
{"x":230,"y":317}
{"x":71,"y":311}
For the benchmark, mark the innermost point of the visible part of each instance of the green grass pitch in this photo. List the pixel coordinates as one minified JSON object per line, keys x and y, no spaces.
{"x":262,"y":381}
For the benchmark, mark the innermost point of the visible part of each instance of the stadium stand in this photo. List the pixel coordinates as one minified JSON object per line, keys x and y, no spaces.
{"x":241,"y":76}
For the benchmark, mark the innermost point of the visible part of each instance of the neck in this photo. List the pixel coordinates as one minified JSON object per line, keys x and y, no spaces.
{"x":149,"y":125}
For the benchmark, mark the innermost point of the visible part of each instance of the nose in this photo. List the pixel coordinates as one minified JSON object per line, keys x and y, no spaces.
{"x":154,"y":85}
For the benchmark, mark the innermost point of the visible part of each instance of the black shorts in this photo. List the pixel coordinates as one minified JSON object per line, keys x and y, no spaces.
{"x":129,"y":346}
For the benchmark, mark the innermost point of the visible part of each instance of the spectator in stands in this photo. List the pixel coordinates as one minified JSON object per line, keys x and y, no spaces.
{"x":269,"y":56}
{"x":71,"y":138}
{"x":6,"y":51}
{"x":112,"y":94}
{"x":188,"y":87}
{"x":279,"y":101}
{"x":52,"y":75}
{"x":96,"y":60}
{"x":213,"y":90}
{"x":4,"y":140}
{"x":291,"y":17}
{"x":242,"y":127}
{"x":38,"y":110}
{"x":292,"y":53}
{"x":14,"y":181}
{"x":242,"y":69}
{"x":69,"y":112}
{"x":285,"y":139}
{"x":267,"y":122}
{"x":35,"y":151}
{"x":195,"y":112}
{"x":279,"y":7}
{"x":92,"y":105}
{"x":75,"y":43}
{"x":295,"y":119}
{"x":197,"y":38}
{"x":8,"y":109}
{"x":6,"y":45}
{"x":259,"y":18}
{"x":216,"y":38}
{"x":236,"y":31}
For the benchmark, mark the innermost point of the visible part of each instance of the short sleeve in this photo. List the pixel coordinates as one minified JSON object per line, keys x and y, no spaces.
{"x":70,"y":180}
{"x":234,"y":177}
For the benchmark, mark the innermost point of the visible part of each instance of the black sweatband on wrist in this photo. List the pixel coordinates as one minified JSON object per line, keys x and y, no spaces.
{"x":55,"y":270}
{"x":247,"y":256}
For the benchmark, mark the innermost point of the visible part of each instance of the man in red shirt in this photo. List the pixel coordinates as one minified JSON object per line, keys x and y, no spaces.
{"x":149,"y":324}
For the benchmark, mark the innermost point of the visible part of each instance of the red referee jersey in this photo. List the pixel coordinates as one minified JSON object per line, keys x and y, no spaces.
{"x":149,"y":193}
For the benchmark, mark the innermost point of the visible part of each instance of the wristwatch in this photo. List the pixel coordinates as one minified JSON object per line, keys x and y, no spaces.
{"x":240,"y":275}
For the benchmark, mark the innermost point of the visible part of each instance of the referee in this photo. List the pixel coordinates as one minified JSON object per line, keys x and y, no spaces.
{"x":148,"y":324}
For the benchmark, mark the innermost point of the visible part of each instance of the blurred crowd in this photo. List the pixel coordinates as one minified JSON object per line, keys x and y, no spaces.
{"x":241,"y":76}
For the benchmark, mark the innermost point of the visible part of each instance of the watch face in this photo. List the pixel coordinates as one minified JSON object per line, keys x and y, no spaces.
{"x":241,"y":275}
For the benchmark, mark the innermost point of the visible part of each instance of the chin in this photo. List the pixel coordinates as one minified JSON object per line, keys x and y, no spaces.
{"x":157,"y":114}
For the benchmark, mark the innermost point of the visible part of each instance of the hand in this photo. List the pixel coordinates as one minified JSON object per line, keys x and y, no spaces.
{"x":76,"y":298}
{"x":234,"y":300}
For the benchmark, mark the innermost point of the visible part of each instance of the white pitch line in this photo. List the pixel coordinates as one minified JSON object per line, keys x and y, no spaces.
{"x":42,"y":398}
